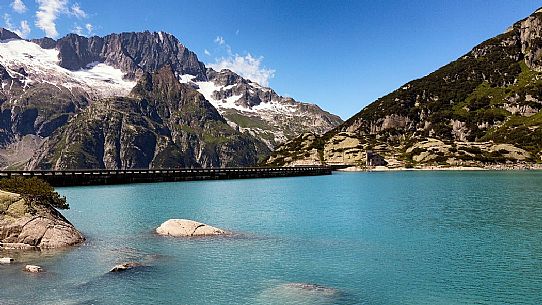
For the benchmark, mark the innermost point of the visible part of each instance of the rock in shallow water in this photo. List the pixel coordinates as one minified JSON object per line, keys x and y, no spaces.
{"x":6,"y":260}
{"x":187,"y":228}
{"x":33,"y":268}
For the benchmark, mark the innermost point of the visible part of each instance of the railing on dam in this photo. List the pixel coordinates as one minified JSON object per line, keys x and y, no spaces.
{"x":114,"y":176}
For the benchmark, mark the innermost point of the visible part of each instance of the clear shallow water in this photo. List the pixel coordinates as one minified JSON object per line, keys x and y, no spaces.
{"x":378,"y":238}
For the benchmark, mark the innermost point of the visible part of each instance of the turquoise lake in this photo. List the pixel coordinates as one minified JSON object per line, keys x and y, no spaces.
{"x":376,"y":238}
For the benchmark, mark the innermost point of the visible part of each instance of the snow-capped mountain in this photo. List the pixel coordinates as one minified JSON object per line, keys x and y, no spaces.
{"x":48,"y":85}
{"x":30,"y":64}
{"x":258,"y":110}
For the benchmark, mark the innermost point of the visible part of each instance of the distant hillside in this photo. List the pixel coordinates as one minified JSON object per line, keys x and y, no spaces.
{"x":483,"y":108}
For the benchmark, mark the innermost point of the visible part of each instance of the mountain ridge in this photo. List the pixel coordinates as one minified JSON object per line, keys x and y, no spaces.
{"x":149,"y":128}
{"x":48,"y":85}
{"x":480,"y":109}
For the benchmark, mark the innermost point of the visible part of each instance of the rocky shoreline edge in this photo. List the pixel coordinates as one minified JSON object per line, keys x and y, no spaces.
{"x":499,"y":167}
{"x":33,"y":224}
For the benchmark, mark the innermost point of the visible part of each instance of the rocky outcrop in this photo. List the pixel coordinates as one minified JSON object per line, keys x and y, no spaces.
{"x":187,"y":228}
{"x":36,"y":226}
{"x":298,"y":151}
{"x":45,"y":43}
{"x":392,"y":121}
{"x":6,"y":34}
{"x":530,"y":31}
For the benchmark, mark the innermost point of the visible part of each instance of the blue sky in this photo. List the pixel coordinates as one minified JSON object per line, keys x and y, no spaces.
{"x":341,"y":55}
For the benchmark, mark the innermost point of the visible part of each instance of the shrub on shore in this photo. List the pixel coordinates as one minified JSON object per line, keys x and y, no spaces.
{"x":34,"y":191}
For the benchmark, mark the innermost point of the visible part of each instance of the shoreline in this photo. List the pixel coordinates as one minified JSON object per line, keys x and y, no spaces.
{"x":516,"y":167}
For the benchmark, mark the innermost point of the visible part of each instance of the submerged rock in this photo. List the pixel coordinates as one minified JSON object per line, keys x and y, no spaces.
{"x":33,"y":268}
{"x":187,"y":228}
{"x":312,"y":288}
{"x":299,"y":293}
{"x":37,"y":227}
{"x":125,"y":266}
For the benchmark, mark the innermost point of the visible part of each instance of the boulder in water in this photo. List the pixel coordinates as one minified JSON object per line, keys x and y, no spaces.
{"x":33,"y":268}
{"x":187,"y":228}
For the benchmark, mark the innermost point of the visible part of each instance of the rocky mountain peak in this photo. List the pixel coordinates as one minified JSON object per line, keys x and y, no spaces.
{"x":6,"y":34}
{"x":77,"y":52}
{"x":135,"y":53}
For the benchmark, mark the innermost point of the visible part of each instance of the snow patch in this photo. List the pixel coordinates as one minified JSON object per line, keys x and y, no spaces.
{"x":104,"y":77}
{"x":41,"y":65}
{"x":232,"y":99}
{"x":186,"y":78}
{"x":208,"y":88}
{"x":275,"y":107}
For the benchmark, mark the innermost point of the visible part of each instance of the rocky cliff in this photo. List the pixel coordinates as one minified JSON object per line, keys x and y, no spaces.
{"x":133,"y":53}
{"x":483,"y":108}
